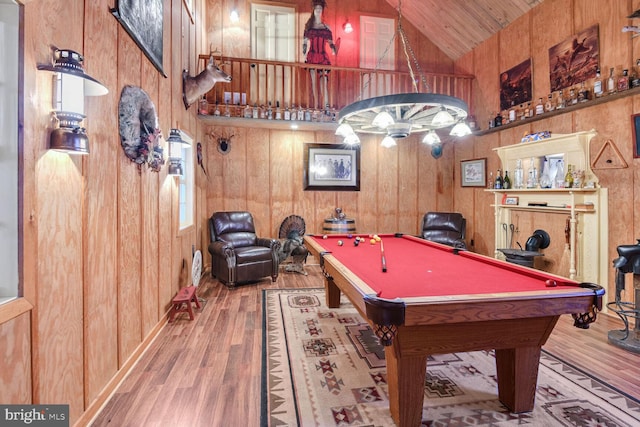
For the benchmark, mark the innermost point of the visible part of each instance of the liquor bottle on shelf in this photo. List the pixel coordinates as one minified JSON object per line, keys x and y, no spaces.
{"x":512,"y":112}
{"x":568,"y":178}
{"x":294,"y":112}
{"x":518,"y":175}
{"x":255,"y":113}
{"x":498,"y":121}
{"x":597,"y":84}
{"x":216,"y":112}
{"x":539,"y":107}
{"x":301,"y":114}
{"x":559,"y":176}
{"x":227,"y":111}
{"x":623,"y":81}
{"x":530,"y":109}
{"x":278,"y":111}
{"x":247,"y":113}
{"x":506,"y":182}
{"x":499,"y":184}
{"x":635,"y":77}
{"x":561,"y":102}
{"x":203,"y":106}
{"x":611,"y":82}
{"x":490,"y":182}
{"x":269,"y":111}
{"x":287,"y":113}
{"x":522,"y":112}
{"x":584,"y":95}
{"x":492,"y":121}
{"x":548,"y":106}
{"x":263,"y":112}
{"x":573,"y":98}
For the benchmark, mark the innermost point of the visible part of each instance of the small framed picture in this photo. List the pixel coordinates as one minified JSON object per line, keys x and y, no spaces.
{"x":511,"y":200}
{"x":473,"y":173}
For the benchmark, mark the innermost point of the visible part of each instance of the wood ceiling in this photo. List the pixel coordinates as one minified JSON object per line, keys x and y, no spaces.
{"x":458,"y":26}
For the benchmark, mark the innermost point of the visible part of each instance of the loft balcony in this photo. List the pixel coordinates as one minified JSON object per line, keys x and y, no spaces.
{"x":258,"y":82}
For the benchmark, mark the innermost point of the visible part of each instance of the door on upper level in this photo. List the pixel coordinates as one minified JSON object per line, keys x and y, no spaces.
{"x":273,"y":38}
{"x":377,"y":51}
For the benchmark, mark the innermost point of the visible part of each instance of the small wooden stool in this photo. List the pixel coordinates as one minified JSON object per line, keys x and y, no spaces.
{"x":181,"y":303}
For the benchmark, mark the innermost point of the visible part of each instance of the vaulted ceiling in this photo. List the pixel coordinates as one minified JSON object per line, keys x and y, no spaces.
{"x":458,"y":26}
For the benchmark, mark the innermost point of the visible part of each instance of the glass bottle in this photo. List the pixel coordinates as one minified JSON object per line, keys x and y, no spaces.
{"x":278,"y":111}
{"x":539,"y":107}
{"x":561,"y":104}
{"x":498,"y":122}
{"x":597,"y":84}
{"x":294,"y":112}
{"x":583,"y":95}
{"x":247,"y":113}
{"x":255,"y":113}
{"x":560,"y":175}
{"x":227,"y":111}
{"x":623,"y":81}
{"x":512,"y":112}
{"x":548,"y":106}
{"x":301,"y":113}
{"x":611,"y":82}
{"x":203,"y":106}
{"x":635,"y":77}
{"x":269,"y":111}
{"x":216,"y":112}
{"x":490,"y":182}
{"x":518,"y":175}
{"x":287,"y":113}
{"x":568,"y":178}
{"x":499,"y":184}
{"x":506,"y":182}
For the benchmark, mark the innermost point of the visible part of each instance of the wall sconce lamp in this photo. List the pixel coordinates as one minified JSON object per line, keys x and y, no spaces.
{"x":347,"y":27}
{"x":175,"y":163}
{"x":70,"y":86}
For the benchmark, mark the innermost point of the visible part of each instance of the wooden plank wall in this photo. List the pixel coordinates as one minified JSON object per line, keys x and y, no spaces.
{"x":263,"y":173}
{"x":531,"y":36}
{"x":102,"y":253}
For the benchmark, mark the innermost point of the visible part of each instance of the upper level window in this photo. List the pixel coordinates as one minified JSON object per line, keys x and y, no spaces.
{"x":9,"y":76}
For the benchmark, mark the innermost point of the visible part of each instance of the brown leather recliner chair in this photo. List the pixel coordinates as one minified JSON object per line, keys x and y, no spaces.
{"x":445,"y":227}
{"x":237,"y":254}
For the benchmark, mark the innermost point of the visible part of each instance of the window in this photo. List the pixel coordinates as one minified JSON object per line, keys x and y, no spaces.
{"x":9,"y":76}
{"x":186,"y":183}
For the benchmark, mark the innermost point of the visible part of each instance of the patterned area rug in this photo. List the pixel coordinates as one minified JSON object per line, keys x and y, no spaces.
{"x":324,"y":367}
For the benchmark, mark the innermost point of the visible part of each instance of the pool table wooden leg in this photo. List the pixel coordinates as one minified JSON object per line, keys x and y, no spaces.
{"x":517,"y":370}
{"x":332,"y":293}
{"x":405,"y":378}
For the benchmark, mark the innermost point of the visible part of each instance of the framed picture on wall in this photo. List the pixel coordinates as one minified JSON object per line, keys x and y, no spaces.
{"x":473,"y":173}
{"x":636,"y":135}
{"x":142,"y":20}
{"x":331,"y":167}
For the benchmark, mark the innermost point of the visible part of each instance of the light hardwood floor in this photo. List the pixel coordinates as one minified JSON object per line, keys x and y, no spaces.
{"x":207,"y":372}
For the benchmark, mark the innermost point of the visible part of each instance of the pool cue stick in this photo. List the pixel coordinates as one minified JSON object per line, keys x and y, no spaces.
{"x":382,"y":258}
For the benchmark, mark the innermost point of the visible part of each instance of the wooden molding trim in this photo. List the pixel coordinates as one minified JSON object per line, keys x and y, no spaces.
{"x":12,"y":309}
{"x":94,"y":407}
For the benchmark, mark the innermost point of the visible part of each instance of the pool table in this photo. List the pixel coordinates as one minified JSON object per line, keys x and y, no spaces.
{"x":434,"y":299}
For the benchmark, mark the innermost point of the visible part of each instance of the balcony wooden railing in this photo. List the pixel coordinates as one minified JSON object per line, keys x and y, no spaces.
{"x":260,"y":82}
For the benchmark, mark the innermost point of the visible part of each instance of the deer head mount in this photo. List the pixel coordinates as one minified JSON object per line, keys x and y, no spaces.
{"x":223,"y":141}
{"x":194,"y":87}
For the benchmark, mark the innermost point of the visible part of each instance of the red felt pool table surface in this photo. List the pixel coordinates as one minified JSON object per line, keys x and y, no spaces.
{"x":420,"y":268}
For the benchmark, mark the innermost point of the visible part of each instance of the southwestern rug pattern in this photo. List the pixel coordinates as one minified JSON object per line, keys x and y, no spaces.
{"x":324,"y":367}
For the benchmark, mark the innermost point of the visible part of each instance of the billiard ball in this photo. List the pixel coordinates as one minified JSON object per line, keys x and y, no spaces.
{"x":377,"y":238}
{"x":349,"y":236}
{"x":356,"y":242}
{"x":340,"y":242}
{"x":324,"y":236}
{"x":551,"y":283}
{"x":372,"y":241}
